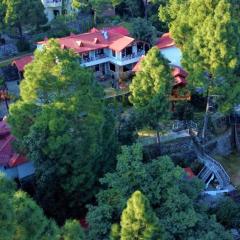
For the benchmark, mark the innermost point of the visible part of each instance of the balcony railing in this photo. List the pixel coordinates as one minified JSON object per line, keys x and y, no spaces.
{"x":91,"y":59}
{"x":133,"y":55}
{"x":53,"y":3}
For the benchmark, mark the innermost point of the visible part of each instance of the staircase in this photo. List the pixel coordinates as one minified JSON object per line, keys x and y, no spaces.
{"x":211,"y":166}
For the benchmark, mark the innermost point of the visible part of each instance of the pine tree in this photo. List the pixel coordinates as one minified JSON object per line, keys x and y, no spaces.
{"x":150,"y":90}
{"x":138,"y":220}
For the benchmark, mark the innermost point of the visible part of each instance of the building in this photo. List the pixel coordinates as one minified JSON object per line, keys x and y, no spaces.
{"x":54,"y":8}
{"x":109,"y":52}
{"x":169,"y":49}
{"x":12,"y":164}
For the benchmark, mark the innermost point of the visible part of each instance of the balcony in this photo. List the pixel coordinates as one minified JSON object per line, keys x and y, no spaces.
{"x":52,"y":3}
{"x":128,"y":59}
{"x":133,"y":55}
{"x":91,"y":61}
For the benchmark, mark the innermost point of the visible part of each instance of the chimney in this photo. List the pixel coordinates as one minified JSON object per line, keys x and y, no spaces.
{"x":105,"y":34}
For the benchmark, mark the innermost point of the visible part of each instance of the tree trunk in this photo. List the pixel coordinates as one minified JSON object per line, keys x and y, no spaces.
{"x":145,"y":8}
{"x":95,"y":18}
{"x":205,"y":123}
{"x":19,"y":27}
{"x":158,"y":140}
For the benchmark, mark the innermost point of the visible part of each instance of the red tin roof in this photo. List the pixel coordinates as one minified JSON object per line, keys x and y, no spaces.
{"x":165,"y":41}
{"x":21,"y":62}
{"x":178,"y":73}
{"x":8,"y":157}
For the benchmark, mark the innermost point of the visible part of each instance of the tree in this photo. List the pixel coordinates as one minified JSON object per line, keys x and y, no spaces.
{"x":205,"y":38}
{"x":20,"y":12}
{"x":227,"y":213}
{"x":142,"y":29}
{"x":172,"y":198}
{"x":138,"y":221}
{"x":150,"y":90}
{"x":72,"y":231}
{"x":65,"y":127}
{"x":21,"y":217}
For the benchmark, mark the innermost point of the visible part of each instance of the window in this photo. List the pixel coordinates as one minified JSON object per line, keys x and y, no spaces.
{"x":129,"y":50}
{"x":100,"y":51}
{"x":139,"y":46}
{"x":112,"y":67}
{"x":113,"y":53}
{"x":85,"y":56}
{"x":127,"y":68}
{"x":97,"y":68}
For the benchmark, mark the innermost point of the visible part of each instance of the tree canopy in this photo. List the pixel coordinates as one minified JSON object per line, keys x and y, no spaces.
{"x":208,"y":34}
{"x":171,"y":196}
{"x":23,"y":219}
{"x":138,"y":221}
{"x":21,"y":12}
{"x":151,"y":89}
{"x":61,"y":124}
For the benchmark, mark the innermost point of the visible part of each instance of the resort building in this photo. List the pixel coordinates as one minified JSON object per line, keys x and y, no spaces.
{"x":109,"y":52}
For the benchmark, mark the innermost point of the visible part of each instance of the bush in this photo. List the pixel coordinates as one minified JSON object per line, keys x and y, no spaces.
{"x":23,"y":45}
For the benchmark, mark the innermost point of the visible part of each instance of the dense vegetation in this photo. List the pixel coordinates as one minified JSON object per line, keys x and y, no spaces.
{"x":73,"y":135}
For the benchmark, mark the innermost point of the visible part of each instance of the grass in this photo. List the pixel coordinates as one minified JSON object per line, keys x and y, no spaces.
{"x":112,"y":92}
{"x":231,"y":164}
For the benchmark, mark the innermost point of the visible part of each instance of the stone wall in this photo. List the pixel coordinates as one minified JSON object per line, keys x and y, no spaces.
{"x":180,"y":149}
{"x":222,"y":145}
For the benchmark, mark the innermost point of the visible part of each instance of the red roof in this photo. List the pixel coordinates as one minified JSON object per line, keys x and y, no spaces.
{"x":119,"y":29}
{"x":85,"y":42}
{"x":165,"y":41}
{"x":189,"y":172}
{"x":117,"y":40}
{"x":115,"y":29}
{"x":178,"y":73}
{"x":8,"y":157}
{"x":21,"y":62}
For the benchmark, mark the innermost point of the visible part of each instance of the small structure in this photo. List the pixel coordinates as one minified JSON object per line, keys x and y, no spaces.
{"x":169,"y":49}
{"x":20,"y":64}
{"x":12,"y":164}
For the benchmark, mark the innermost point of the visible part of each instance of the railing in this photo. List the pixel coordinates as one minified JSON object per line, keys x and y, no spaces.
{"x":91,"y":59}
{"x":133,"y":55}
{"x":211,"y":164}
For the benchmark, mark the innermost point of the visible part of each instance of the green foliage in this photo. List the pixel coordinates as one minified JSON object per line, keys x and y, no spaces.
{"x":228,"y":213}
{"x":142,"y":29}
{"x":204,"y":30}
{"x":115,"y":232}
{"x":172,"y":197}
{"x":72,"y":231}
{"x":23,"y":45}
{"x":21,"y":217}
{"x":138,"y":221}
{"x":63,"y":125}
{"x":151,"y":87}
{"x":20,"y":12}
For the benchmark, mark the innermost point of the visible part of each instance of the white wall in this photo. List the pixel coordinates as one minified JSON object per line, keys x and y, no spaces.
{"x":173,"y":54}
